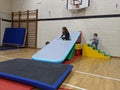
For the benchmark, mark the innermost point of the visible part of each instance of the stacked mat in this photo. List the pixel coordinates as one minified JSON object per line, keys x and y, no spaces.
{"x":43,"y":75}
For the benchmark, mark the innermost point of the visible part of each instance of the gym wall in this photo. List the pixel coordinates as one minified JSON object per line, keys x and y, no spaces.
{"x":107,"y":27}
{"x":5,"y":10}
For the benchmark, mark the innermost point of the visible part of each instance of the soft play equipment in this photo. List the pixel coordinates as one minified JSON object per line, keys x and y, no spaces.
{"x":78,"y":49}
{"x":57,"y":50}
{"x":14,"y":36}
{"x":71,"y":54}
{"x":89,"y":51}
{"x":12,"y":85}
{"x":43,"y":75}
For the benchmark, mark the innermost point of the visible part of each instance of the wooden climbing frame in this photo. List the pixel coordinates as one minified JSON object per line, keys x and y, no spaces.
{"x":29,"y":20}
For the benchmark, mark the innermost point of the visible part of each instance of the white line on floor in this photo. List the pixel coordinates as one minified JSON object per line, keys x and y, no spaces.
{"x":73,"y":86}
{"x":100,"y":76}
{"x":6,"y":57}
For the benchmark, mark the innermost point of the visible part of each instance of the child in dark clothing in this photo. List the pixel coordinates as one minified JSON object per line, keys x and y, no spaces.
{"x":95,"y":40}
{"x":65,"y":34}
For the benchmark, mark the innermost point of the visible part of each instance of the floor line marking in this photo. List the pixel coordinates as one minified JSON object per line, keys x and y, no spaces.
{"x":65,"y":84}
{"x":100,"y":76}
{"x":6,"y":57}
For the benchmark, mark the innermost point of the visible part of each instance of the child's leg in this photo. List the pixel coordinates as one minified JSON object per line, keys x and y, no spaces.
{"x":96,"y":46}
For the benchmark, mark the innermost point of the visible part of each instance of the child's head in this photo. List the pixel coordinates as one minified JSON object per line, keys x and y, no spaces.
{"x":64,"y":30}
{"x":95,"y":34}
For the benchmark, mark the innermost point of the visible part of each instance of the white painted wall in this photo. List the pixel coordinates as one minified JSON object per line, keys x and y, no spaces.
{"x":108,"y":31}
{"x":5,"y":10}
{"x":57,"y":8}
{"x":107,"y":28}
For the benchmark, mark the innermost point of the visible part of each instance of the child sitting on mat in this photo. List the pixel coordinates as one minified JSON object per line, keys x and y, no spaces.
{"x":95,"y":40}
{"x":65,"y":34}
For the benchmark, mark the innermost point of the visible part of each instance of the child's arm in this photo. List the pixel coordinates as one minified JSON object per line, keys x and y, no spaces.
{"x":92,"y":39}
{"x":61,"y":36}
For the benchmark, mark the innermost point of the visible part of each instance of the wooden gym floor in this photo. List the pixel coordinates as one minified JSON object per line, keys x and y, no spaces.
{"x":87,"y":73}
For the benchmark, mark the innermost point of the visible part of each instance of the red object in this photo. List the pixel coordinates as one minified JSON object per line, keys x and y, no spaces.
{"x":11,"y":85}
{"x":78,"y":52}
{"x":72,"y":60}
{"x":79,"y":38}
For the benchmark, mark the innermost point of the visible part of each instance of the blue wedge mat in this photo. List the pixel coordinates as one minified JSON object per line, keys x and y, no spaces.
{"x":57,"y":50}
{"x":43,"y":75}
{"x":14,"y":36}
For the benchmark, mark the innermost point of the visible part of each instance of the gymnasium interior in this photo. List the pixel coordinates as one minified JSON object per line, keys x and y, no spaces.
{"x":34,"y":56}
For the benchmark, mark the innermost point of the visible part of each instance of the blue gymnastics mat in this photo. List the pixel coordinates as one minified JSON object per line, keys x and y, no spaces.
{"x":57,"y":50}
{"x":43,"y":75}
{"x":14,"y":36}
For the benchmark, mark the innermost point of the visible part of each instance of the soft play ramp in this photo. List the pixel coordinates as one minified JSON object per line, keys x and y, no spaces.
{"x":57,"y":50}
{"x":43,"y":75}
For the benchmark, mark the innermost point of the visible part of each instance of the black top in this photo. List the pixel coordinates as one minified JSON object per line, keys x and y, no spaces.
{"x":66,"y":36}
